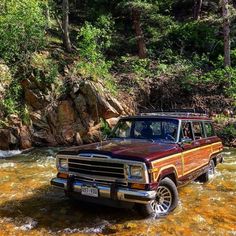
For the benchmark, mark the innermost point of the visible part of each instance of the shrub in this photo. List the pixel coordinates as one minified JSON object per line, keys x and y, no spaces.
{"x":222,"y":78}
{"x":228,"y":133}
{"x":22,"y":25}
{"x":92,"y":41}
{"x":11,"y":102}
{"x":44,"y":68}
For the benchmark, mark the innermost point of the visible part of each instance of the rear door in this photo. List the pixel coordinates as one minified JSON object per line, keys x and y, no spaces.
{"x":193,"y":155}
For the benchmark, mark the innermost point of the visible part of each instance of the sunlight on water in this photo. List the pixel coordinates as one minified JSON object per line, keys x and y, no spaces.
{"x":29,"y":206}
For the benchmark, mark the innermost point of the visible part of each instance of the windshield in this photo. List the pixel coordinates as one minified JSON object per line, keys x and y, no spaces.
{"x":152,"y":129}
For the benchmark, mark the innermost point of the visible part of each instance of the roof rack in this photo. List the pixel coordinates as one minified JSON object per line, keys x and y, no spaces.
{"x":177,"y":112}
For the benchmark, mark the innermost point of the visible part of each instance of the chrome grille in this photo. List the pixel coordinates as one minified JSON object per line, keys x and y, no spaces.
{"x":96,"y":168}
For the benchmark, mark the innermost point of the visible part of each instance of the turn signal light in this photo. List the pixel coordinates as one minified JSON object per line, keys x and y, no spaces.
{"x":138,"y":186}
{"x":62,"y":175}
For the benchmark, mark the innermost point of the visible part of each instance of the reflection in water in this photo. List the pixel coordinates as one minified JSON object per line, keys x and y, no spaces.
{"x":29,"y":206}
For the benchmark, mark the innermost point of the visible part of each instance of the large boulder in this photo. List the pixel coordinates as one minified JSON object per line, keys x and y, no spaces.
{"x":8,"y":140}
{"x":25,"y":138}
{"x":41,"y":131}
{"x":93,"y":102}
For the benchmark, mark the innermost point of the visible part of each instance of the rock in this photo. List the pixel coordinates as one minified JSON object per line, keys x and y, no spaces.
{"x":39,"y":121}
{"x":14,"y":120}
{"x":233,"y":143}
{"x":112,"y":122}
{"x":66,"y":113}
{"x":8,"y":140}
{"x":34,"y":100}
{"x":41,"y":131}
{"x":25,"y":138}
{"x":4,"y":139}
{"x":78,"y":139}
{"x":68,"y":135}
{"x":43,"y":138}
{"x":114,"y":103}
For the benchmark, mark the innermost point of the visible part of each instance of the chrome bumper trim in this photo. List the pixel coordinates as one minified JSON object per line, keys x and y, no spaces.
{"x":105,"y":191}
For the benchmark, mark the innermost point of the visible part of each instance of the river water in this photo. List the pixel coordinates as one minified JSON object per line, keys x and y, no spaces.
{"x":29,"y":206}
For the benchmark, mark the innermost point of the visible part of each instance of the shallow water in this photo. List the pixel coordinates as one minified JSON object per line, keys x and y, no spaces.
{"x":29,"y":206}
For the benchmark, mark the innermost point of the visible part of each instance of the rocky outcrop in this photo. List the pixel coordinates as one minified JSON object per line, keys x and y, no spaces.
{"x":73,"y":118}
{"x":73,"y":115}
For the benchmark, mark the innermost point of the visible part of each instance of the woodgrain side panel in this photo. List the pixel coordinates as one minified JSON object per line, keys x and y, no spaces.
{"x":185,"y":162}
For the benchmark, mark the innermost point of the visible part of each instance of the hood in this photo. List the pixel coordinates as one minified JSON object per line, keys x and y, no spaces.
{"x":139,"y":150}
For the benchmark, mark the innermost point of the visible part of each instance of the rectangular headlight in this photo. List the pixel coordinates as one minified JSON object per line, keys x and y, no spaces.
{"x":63,"y":164}
{"x":136,"y":172}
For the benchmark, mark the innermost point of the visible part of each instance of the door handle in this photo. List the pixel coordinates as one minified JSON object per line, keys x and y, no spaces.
{"x":208,"y":141}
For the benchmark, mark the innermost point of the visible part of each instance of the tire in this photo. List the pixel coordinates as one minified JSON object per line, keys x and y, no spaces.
{"x":209,"y":174}
{"x":165,"y":202}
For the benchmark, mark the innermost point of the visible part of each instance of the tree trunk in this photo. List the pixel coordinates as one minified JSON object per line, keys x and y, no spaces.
{"x":197,"y":9}
{"x":142,"y":51}
{"x":65,"y":25}
{"x":226,"y":30}
{"x":47,"y":15}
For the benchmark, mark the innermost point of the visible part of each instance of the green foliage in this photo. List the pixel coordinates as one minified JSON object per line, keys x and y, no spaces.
{"x":143,"y":5}
{"x":25,"y":115}
{"x":140,"y":67}
{"x":195,"y":36}
{"x":233,"y":57}
{"x":92,"y":41}
{"x":44,"y":68}
{"x":228,"y":133}
{"x":105,"y":128}
{"x":11,"y":102}
{"x":22,"y":26}
{"x":225,"y":78}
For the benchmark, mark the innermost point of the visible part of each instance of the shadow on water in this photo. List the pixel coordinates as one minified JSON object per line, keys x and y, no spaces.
{"x":55,"y":212}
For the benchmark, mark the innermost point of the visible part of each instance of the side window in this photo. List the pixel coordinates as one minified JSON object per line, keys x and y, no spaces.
{"x":209,"y":129}
{"x":198,"y":130}
{"x":186,"y":131}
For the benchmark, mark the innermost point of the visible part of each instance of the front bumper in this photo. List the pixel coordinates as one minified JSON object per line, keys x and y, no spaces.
{"x":106,"y":191}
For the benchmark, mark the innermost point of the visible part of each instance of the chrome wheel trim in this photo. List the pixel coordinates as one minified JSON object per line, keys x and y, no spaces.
{"x":163,"y":201}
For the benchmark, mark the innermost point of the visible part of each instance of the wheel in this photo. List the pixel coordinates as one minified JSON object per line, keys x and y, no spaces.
{"x":166,"y":200}
{"x":209,"y":174}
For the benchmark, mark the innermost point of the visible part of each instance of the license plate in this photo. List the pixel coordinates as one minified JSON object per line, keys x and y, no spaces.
{"x":89,"y":191}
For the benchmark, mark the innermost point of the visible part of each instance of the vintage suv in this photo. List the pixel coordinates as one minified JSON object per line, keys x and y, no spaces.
{"x":144,"y":161}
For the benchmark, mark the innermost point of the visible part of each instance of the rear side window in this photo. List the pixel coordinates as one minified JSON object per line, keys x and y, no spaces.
{"x":209,"y":129}
{"x":198,"y":130}
{"x":186,"y":131}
